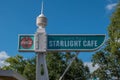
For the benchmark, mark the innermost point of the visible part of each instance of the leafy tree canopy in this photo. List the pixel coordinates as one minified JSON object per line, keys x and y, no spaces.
{"x":56,"y":62}
{"x":108,"y":58}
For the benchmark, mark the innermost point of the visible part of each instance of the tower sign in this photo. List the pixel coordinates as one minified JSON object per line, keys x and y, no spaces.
{"x":82,"y":43}
{"x":42,"y":43}
{"x":61,"y":42}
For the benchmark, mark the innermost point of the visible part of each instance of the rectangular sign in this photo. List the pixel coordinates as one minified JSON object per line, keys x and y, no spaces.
{"x":74,"y":42}
{"x":26,"y":43}
{"x":83,"y":43}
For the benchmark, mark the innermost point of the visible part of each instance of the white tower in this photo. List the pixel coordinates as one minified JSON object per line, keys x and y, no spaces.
{"x":40,"y":47}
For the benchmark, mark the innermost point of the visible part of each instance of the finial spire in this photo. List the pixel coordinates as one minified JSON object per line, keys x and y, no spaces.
{"x":41,"y":19}
{"x":42,"y":10}
{"x":42,"y":7}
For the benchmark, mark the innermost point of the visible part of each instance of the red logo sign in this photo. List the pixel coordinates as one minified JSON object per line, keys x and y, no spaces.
{"x":26,"y":42}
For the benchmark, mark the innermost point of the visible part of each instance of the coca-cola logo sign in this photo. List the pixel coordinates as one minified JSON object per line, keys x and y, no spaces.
{"x":26,"y":42}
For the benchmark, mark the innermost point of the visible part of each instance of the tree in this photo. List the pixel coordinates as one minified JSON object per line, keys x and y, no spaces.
{"x":26,"y":67}
{"x":78,"y":72}
{"x":114,"y":32}
{"x":108,"y":58}
{"x":56,"y":62}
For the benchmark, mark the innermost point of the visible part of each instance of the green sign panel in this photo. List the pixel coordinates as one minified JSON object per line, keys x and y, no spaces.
{"x":74,"y":42}
{"x":26,"y":43}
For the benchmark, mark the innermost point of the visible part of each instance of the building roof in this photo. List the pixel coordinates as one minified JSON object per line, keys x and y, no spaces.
{"x":11,"y":74}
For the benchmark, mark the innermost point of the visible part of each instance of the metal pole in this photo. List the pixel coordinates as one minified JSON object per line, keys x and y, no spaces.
{"x":69,"y":65}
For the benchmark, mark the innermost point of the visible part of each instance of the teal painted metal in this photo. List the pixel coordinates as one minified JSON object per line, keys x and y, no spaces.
{"x":26,"y":43}
{"x":74,"y":42}
{"x":83,"y":43}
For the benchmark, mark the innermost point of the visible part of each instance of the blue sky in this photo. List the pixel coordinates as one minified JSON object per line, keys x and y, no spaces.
{"x":64,"y":17}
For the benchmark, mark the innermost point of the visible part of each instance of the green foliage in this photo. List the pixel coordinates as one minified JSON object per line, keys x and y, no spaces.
{"x":108,"y":58}
{"x":29,"y":69}
{"x":78,"y":71}
{"x":56,"y":65}
{"x":114,"y":31}
{"x":60,"y":61}
{"x":26,"y":67}
{"x":56,"y":62}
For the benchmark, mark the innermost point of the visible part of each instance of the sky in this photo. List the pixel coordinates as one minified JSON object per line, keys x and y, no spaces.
{"x":64,"y":17}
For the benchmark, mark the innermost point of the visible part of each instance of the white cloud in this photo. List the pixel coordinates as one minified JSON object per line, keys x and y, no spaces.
{"x":3,"y":57}
{"x":110,"y":1}
{"x":111,"y":6}
{"x":92,"y":69}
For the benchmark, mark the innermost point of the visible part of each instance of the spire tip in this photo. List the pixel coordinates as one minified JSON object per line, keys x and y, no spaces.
{"x":42,"y":7}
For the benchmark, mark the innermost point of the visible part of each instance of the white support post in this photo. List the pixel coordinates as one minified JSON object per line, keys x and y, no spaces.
{"x":41,"y":68}
{"x":37,"y":66}
{"x":40,"y":48}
